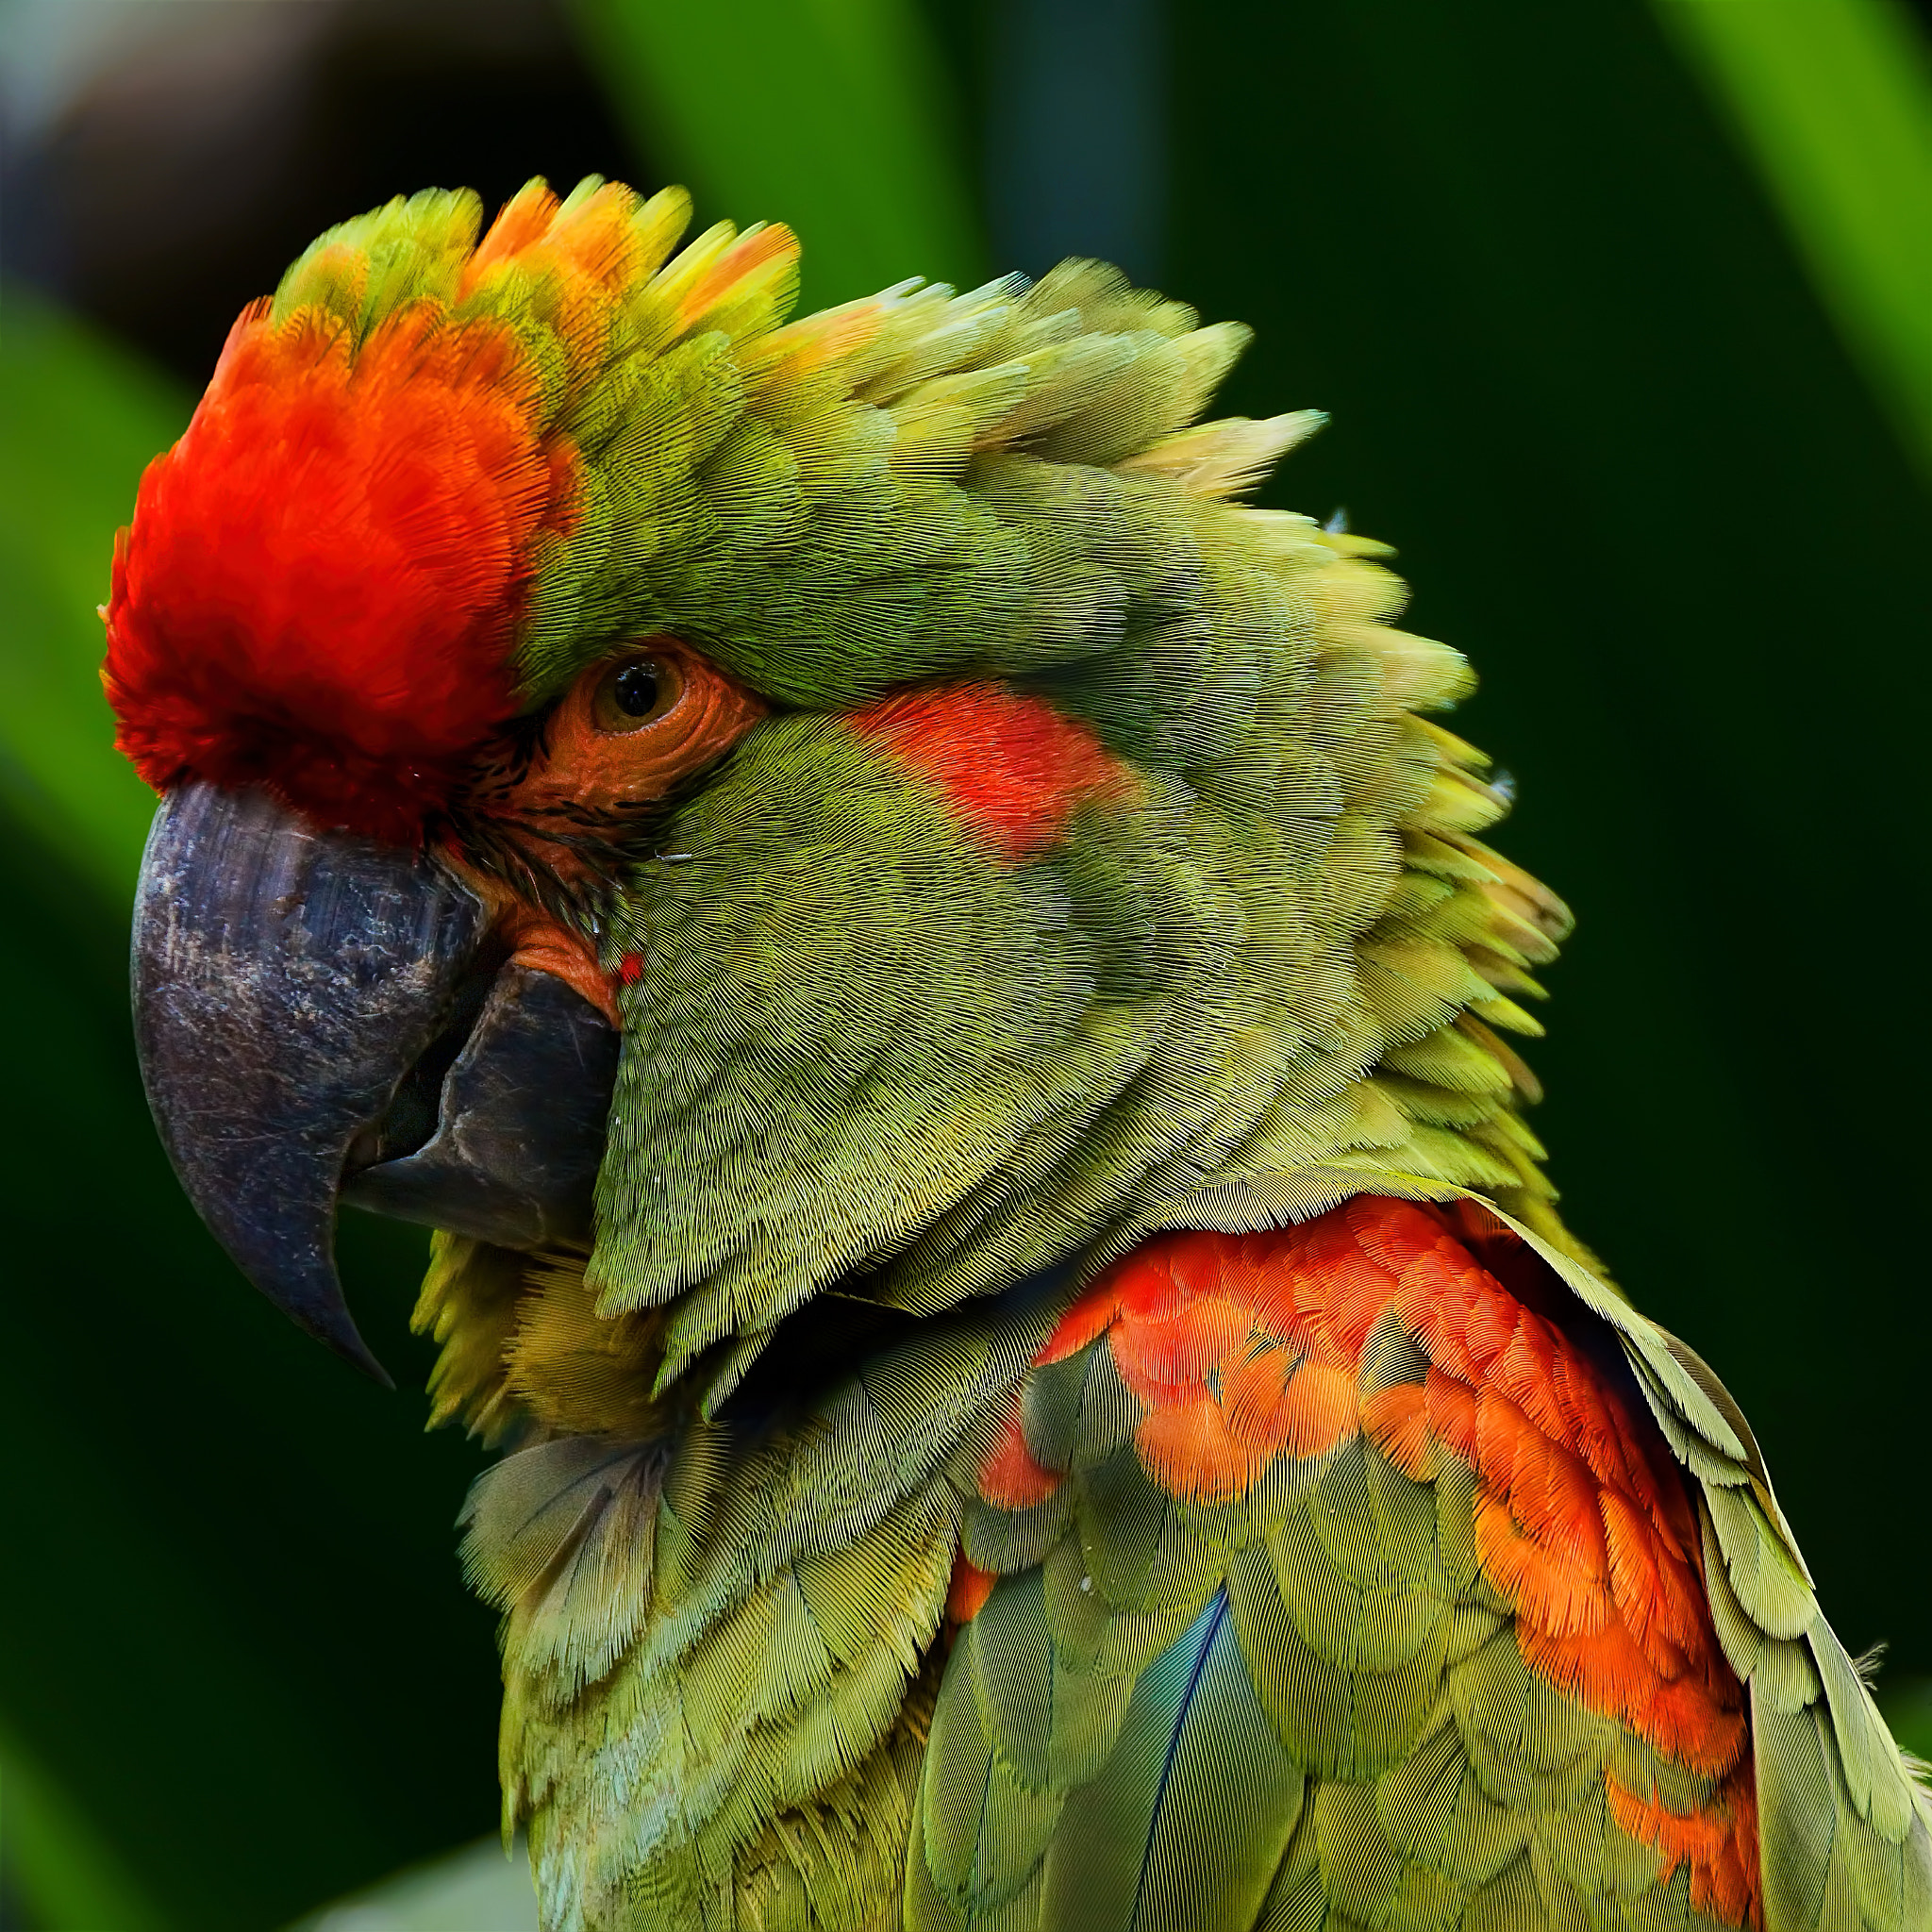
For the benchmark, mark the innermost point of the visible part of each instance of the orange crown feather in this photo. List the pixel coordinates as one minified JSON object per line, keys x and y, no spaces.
{"x":323,"y":582}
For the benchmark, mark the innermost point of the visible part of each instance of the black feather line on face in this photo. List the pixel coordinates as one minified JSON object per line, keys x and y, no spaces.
{"x":607,"y":842}
{"x":505,"y":762}
{"x":510,"y":851}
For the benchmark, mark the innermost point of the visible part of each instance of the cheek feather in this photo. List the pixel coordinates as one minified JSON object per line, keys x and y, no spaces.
{"x":1012,"y":767}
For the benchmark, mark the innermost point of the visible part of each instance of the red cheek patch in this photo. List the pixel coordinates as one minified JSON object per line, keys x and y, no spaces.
{"x":1012,"y":767}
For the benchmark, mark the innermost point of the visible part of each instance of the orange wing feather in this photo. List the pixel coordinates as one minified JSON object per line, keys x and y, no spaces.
{"x":1242,"y":1348}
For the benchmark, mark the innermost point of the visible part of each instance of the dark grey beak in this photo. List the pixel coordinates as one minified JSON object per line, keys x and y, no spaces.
{"x":320,"y":1016}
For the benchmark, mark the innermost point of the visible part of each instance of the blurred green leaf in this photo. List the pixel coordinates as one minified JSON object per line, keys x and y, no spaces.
{"x":1908,"y":1708}
{"x":54,"y":1863}
{"x":1833,"y":99}
{"x":79,"y":420}
{"x":476,"y":1889}
{"x":833,"y":115}
{"x":246,"y":1661}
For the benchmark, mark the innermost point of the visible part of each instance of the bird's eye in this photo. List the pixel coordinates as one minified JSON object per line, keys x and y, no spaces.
{"x":636,"y":692}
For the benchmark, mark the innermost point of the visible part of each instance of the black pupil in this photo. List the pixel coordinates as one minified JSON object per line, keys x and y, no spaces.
{"x":636,"y":689}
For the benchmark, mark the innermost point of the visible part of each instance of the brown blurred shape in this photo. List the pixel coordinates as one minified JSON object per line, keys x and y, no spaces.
{"x":209,"y":141}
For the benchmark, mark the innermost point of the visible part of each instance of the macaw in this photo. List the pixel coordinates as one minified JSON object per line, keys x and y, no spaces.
{"x":942,"y":985}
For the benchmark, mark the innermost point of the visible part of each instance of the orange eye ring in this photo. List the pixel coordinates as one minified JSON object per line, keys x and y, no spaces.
{"x":628,"y":730}
{"x":635,"y":692}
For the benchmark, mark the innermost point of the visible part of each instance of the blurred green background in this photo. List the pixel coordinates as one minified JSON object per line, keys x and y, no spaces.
{"x":1625,"y":316}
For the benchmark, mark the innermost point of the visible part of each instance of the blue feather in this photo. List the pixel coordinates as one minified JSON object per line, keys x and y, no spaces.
{"x":1185,"y":1665}
{"x":1184,"y":1826}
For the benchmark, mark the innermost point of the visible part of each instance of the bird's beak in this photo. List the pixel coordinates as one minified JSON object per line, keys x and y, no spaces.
{"x":320,"y":1017}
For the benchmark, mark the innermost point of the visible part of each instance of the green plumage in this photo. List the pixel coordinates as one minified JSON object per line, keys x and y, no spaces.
{"x":1005,"y":485}
{"x":891,"y":1091}
{"x":1412,"y":1767}
{"x":826,"y":1066}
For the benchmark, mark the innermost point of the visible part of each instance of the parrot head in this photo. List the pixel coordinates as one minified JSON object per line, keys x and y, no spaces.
{"x":717,"y":814}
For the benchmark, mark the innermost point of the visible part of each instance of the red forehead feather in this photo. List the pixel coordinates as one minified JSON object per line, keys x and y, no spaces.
{"x":320,"y":585}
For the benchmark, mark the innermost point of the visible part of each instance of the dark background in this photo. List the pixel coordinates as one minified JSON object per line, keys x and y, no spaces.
{"x":1579,"y":377}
